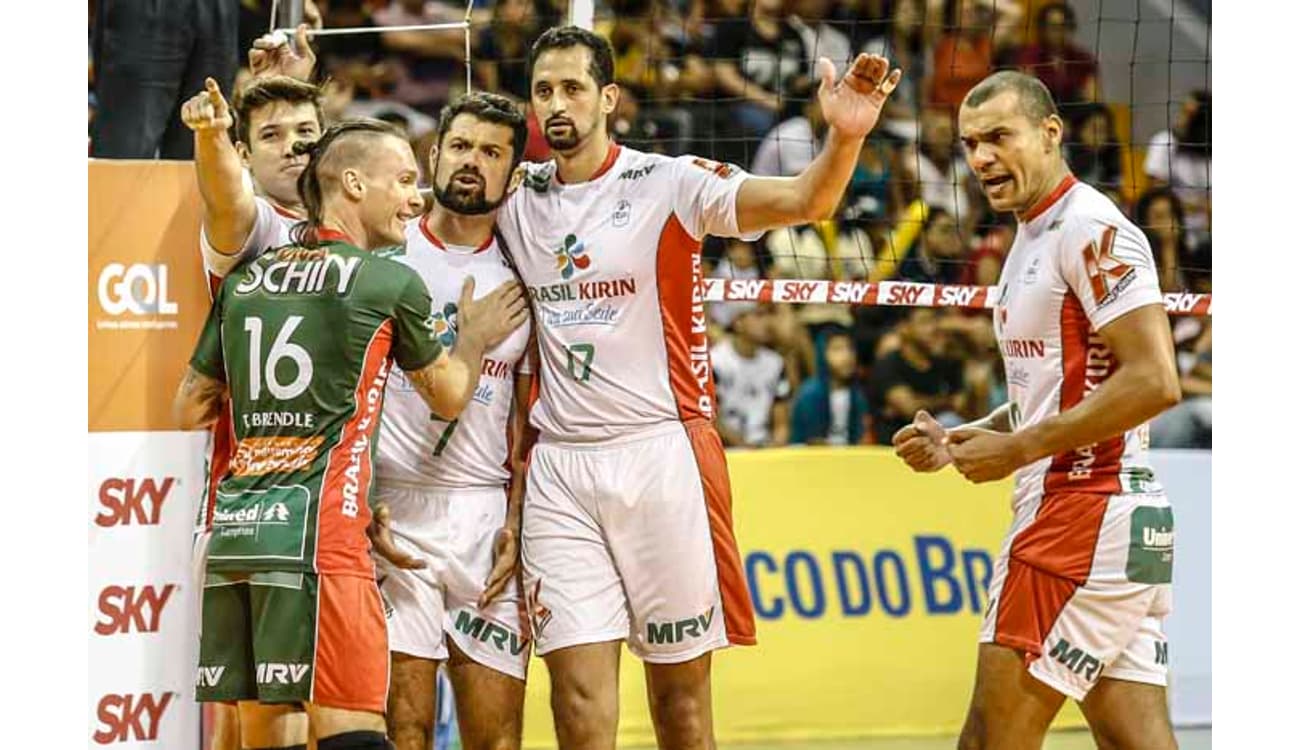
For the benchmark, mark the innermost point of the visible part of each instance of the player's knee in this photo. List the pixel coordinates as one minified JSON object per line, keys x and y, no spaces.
{"x":581,"y":708}
{"x":681,"y":713}
{"x":972,"y":732}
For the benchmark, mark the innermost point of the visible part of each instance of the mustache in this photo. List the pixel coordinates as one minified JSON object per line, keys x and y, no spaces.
{"x":466,"y":171}
{"x":559,"y":120}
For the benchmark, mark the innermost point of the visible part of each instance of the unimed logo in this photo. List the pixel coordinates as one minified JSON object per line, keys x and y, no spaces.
{"x":124,"y":609}
{"x":139,"y":289}
{"x":133,"y":500}
{"x":124,"y":718}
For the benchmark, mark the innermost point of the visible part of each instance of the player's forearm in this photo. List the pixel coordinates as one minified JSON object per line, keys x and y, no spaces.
{"x":524,"y":436}
{"x":198,"y":401}
{"x":1135,"y":393}
{"x":770,"y":202}
{"x":228,"y":208}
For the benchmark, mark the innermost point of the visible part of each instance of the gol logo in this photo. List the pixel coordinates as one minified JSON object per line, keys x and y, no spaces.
{"x":139,"y":289}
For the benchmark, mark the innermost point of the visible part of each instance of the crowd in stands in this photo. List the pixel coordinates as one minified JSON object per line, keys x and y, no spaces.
{"x":731,"y":80}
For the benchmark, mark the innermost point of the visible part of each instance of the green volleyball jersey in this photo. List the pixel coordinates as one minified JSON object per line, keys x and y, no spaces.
{"x":305,"y":339}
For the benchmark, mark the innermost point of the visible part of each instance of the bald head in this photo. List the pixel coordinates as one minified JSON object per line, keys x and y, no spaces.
{"x":1033,"y":99}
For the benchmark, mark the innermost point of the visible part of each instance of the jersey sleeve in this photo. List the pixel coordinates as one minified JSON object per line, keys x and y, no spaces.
{"x":208,"y":357}
{"x":414,"y":343}
{"x":704,"y":197}
{"x":261,"y":236}
{"x":1110,"y":269}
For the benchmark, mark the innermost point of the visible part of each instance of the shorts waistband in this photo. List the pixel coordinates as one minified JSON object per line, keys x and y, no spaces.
{"x":385,"y":483}
{"x":635,"y":436}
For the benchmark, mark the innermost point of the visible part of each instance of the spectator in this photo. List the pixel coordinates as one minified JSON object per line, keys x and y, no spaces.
{"x":751,"y":382}
{"x":915,"y":376}
{"x":739,"y":262}
{"x":940,"y":256}
{"x":501,"y":57}
{"x":759,"y":60}
{"x":1189,"y":423}
{"x":1180,"y":158}
{"x":1068,"y":70}
{"x":963,"y":55}
{"x":906,"y":45}
{"x":945,"y":181}
{"x":790,"y":147}
{"x":1094,"y":148}
{"x":830,"y":408}
{"x":1159,"y":214}
{"x":654,"y":69}
{"x":427,"y":61}
{"x":812,"y":19}
{"x":150,"y":57}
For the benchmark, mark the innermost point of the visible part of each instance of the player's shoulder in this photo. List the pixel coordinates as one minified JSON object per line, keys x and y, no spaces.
{"x":1086,"y":211}
{"x":690,"y":164}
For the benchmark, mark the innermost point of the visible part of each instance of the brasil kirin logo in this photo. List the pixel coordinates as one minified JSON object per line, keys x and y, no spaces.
{"x":571,"y":255}
{"x":444,"y":324}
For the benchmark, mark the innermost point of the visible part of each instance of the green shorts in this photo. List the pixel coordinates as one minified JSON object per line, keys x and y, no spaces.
{"x":279,"y":637}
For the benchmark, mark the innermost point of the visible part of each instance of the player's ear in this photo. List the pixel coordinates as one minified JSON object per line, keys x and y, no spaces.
{"x":353,"y":186}
{"x":1053,"y":131}
{"x":241,"y":149}
{"x":609,"y":98}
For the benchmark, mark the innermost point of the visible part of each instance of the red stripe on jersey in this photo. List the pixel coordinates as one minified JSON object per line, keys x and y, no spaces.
{"x":681,"y":309}
{"x":286,"y":213}
{"x":433,"y":238}
{"x":1051,"y":198}
{"x":341,"y":542}
{"x":1049,"y":559}
{"x":223,"y":438}
{"x":1085,"y":365}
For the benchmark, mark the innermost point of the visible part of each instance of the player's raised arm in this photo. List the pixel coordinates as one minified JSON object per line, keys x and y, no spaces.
{"x":198,"y":400}
{"x":851,"y":108}
{"x":228,"y":207}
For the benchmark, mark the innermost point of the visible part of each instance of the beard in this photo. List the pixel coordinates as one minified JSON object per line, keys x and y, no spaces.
{"x":470,"y":201}
{"x":567,"y":137}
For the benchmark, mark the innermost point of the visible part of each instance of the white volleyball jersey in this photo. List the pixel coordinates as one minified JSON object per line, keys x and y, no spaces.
{"x":1076,"y":264}
{"x":612,"y":267}
{"x":415,"y":446}
{"x":270,"y":229}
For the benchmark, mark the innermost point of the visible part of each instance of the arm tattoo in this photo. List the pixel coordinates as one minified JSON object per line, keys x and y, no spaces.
{"x":204,"y":395}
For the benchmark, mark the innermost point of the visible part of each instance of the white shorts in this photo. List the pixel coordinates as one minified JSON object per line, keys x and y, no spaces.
{"x":633,"y":541}
{"x":453,"y":531}
{"x":1082,"y":588}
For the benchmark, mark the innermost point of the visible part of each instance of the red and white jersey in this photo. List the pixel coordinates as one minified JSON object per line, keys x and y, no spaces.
{"x":270,"y":229}
{"x":1076,"y":265}
{"x":612,"y":267}
{"x":418,"y":448}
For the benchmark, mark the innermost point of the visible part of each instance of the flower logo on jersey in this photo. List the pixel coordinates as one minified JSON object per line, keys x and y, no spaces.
{"x":443,"y":324}
{"x":571,"y":255}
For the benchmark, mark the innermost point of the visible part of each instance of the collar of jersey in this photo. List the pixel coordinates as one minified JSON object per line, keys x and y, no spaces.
{"x":433,"y":238}
{"x":325,"y":234}
{"x":611,"y":156}
{"x":1051,"y":199}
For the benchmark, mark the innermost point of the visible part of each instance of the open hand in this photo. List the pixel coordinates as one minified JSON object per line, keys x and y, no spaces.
{"x":852,"y":106}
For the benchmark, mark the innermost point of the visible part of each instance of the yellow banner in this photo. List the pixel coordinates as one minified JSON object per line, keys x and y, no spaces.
{"x":870,"y":585}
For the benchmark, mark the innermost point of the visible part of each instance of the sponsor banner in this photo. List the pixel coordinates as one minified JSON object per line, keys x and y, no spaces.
{"x":143,"y":493}
{"x":869,"y":595}
{"x":893,"y":293}
{"x":148,"y":297}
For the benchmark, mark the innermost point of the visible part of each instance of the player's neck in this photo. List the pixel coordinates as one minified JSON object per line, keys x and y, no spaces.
{"x":744,"y":347}
{"x":1055,"y":176}
{"x":583,"y":163}
{"x":351,"y":227}
{"x":459,"y":229}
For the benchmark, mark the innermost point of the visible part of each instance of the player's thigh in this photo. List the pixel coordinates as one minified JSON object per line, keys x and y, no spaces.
{"x":493,"y":636}
{"x":666,"y":517}
{"x":272,"y":724}
{"x":227,"y":667}
{"x":489,"y":704}
{"x":327,"y":721}
{"x":1009,"y":709}
{"x":1126,"y":715}
{"x":584,"y":681}
{"x":412,"y":693}
{"x":225,"y":726}
{"x":572,"y":587}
